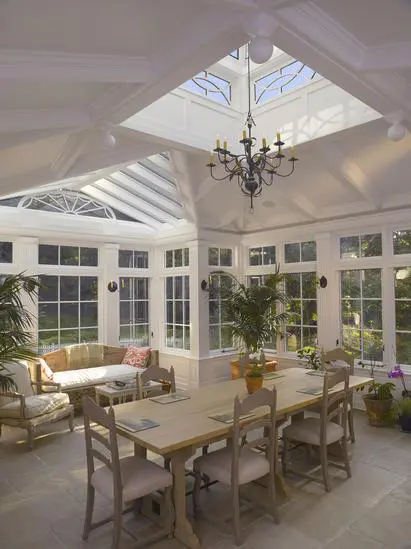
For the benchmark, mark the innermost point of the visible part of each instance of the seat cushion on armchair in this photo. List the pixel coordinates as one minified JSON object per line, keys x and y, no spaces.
{"x":86,"y":377}
{"x":36,"y":405}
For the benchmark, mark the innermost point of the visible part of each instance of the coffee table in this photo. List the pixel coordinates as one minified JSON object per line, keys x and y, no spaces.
{"x":121,"y":393}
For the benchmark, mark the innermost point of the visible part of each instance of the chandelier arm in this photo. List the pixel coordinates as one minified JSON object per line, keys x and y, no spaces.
{"x":273,"y":162}
{"x":289,"y":173}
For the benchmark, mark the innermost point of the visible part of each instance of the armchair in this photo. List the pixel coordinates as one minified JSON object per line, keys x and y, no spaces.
{"x":28,"y":409}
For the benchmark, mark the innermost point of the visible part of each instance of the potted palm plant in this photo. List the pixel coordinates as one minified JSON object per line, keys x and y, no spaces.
{"x":15,"y":323}
{"x":252,"y":313}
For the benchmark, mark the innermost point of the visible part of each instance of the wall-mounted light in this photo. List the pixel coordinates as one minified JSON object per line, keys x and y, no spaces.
{"x":204,"y":285}
{"x":112,"y":286}
{"x":323,"y":282}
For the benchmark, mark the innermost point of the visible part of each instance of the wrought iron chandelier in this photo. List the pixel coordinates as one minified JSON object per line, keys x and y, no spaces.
{"x":252,"y":169}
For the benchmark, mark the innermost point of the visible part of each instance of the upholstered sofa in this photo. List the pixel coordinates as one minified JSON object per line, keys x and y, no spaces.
{"x":79,"y":368}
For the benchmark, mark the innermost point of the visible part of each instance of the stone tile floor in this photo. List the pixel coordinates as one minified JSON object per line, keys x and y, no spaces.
{"x":42,"y":499}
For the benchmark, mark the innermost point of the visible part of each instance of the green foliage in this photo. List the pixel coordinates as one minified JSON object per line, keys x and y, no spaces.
{"x":381,"y":391}
{"x":404,"y":407}
{"x":312,"y":355}
{"x":256,"y":369}
{"x":252,"y":311}
{"x":15,"y":324}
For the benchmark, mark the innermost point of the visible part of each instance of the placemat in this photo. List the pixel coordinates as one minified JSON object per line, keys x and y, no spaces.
{"x":135,"y":425}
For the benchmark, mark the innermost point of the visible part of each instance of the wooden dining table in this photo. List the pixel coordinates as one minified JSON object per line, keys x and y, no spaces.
{"x":186,"y":425}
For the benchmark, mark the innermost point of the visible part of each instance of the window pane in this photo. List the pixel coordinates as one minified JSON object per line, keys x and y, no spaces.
{"x":48,"y":255}
{"x":69,"y":315}
{"x":403,"y":283}
{"x":351,"y":312}
{"x":88,"y":288}
{"x":186,"y":312}
{"x":403,"y":341}
{"x":292,"y":253}
{"x":125,"y":334}
{"x":141,"y":260}
{"x":178,"y":287}
{"x":214,"y":334}
{"x":226,"y":257}
{"x":269,"y":255}
{"x":141,"y":312}
{"x":89,"y":335}
{"x":308,"y":251}
{"x":213,"y":257}
{"x":178,"y":258}
{"x":48,"y":290}
{"x":169,"y":287}
{"x":48,"y":316}
{"x":372,"y":315}
{"x":141,"y":288}
{"x":69,"y":337}
{"x":214,"y":312}
{"x":141,"y":335}
{"x":309,"y":336}
{"x":371,"y":245}
{"x":226,"y":337}
{"x":178,"y":311}
{"x":292,"y":285}
{"x":402,"y":242}
{"x":48,"y":341}
{"x":187,"y":338}
{"x":350,"y":283}
{"x":403,"y":315}
{"x":169,"y":312}
{"x":88,"y":314}
{"x":169,"y":258}
{"x":169,"y":335}
{"x":186,"y":257}
{"x":69,"y":255}
{"x":126,"y":288}
{"x":352,"y":341}
{"x":373,"y":345}
{"x":309,"y":312}
{"x":125,"y":312}
{"x":293,"y":338}
{"x":179,"y":335}
{"x":6,"y":252}
{"x":255,"y":256}
{"x":309,"y":285}
{"x":69,"y":288}
{"x":294,"y":308}
{"x":89,"y":257}
{"x":349,"y":247}
{"x":371,"y":283}
{"x":186,"y":287}
{"x":125,"y":258}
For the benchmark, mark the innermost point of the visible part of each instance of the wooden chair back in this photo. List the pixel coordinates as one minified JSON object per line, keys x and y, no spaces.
{"x":155,"y":373}
{"x":268,"y":440}
{"x":340,"y":354}
{"x":334,"y":403}
{"x":110,"y":459}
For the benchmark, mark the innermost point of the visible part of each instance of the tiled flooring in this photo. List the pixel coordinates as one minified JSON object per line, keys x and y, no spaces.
{"x":42,"y":496}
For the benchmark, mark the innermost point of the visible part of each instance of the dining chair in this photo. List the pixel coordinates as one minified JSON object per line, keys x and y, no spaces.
{"x":155,"y":373}
{"x":122,"y":480}
{"x":323,"y":431}
{"x":239,"y":463}
{"x":338,"y":358}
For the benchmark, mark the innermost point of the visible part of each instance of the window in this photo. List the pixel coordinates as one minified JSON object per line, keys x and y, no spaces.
{"x":67,"y":255}
{"x":364,"y":245}
{"x":402,"y":242}
{"x":177,"y":258}
{"x":258,"y":280}
{"x":300,"y":252}
{"x":361,"y":316}
{"x":210,"y":85}
{"x":132,"y":259}
{"x":67,"y":311}
{"x":177,"y":290}
{"x":220,"y":257}
{"x":220,"y":327}
{"x":264,"y":255}
{"x":134,"y":325}
{"x":403,"y":314}
{"x":6,"y":252}
{"x":301,"y":330}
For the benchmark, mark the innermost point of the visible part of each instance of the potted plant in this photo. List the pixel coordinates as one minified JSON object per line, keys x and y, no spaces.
{"x":15,"y":324}
{"x":404,"y":414}
{"x":251,"y":312}
{"x":254,"y":377}
{"x":311,"y":355}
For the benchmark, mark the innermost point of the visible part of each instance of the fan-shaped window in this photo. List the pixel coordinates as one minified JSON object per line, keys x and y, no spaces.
{"x":68,"y":202}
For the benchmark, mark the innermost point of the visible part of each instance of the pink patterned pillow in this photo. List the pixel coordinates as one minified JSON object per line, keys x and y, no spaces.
{"x":137,"y":356}
{"x":46,"y":372}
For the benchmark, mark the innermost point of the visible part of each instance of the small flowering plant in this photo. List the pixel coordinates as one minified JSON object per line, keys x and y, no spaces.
{"x":397,"y":373}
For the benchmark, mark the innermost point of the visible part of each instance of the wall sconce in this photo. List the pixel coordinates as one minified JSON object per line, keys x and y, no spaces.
{"x":112,"y":286}
{"x":323,"y":282}
{"x":204,"y":285}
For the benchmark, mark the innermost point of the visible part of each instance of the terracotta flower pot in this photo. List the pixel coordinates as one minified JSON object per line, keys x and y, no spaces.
{"x":378,"y":411}
{"x":253,"y":383}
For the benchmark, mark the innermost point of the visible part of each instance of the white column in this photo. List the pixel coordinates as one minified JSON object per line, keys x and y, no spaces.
{"x":25,"y":260}
{"x":156,"y":299}
{"x":328,"y":302}
{"x":109,"y":313}
{"x":199,"y":340}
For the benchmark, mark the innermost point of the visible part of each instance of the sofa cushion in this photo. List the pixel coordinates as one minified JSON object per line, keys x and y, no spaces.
{"x":36,"y":405}
{"x":84,"y":355}
{"x":46,"y":372}
{"x":137,"y":356}
{"x":85,"y":377}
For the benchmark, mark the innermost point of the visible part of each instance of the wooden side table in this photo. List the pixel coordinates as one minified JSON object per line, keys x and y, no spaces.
{"x":121,"y":393}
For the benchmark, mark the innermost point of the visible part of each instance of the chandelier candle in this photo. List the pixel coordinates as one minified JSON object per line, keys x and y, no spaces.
{"x":252,"y":169}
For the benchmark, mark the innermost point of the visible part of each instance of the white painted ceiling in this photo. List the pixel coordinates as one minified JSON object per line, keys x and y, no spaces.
{"x":70,"y":71}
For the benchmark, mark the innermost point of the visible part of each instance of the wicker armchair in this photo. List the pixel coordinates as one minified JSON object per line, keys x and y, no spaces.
{"x":28,"y":409}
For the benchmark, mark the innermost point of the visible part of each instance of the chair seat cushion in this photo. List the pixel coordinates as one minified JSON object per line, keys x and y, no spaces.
{"x":36,"y":405}
{"x":139,"y":478}
{"x":308,"y":431}
{"x":217,"y":465}
{"x":85,"y":377}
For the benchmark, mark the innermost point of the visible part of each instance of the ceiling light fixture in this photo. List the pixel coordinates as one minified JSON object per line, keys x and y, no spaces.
{"x":252,"y":170}
{"x":396,"y":132}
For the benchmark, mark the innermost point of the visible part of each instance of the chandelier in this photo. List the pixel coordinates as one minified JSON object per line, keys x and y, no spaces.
{"x":252,"y":169}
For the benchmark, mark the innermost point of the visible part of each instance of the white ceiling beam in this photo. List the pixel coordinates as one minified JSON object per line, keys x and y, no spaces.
{"x":118,"y":204}
{"x":388,"y":57}
{"x":17,"y":120}
{"x":74,"y":146}
{"x":184,"y":181}
{"x":130,"y":198}
{"x":139,"y":189}
{"x":73,"y":67}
